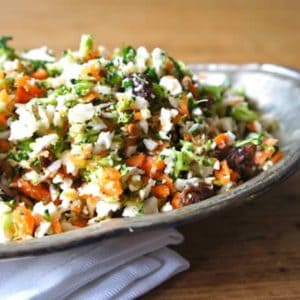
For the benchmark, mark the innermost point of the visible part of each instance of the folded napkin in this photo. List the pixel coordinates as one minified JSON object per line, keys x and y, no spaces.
{"x":119,"y":268}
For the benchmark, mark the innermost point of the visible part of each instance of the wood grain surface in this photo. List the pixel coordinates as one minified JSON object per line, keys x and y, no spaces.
{"x":251,"y":252}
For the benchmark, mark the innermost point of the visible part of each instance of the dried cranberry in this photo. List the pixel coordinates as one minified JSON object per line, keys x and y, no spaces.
{"x":241,"y":159}
{"x":194,"y":194}
{"x":141,"y":85}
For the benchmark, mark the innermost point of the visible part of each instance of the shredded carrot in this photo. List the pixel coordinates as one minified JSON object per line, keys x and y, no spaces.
{"x":110,"y":183}
{"x":23,"y":222}
{"x":27,"y":90}
{"x":165,"y":179}
{"x":183,"y":105}
{"x":37,"y":192}
{"x":56,"y":225}
{"x":262,"y":156}
{"x":225,"y":174}
{"x":176,"y":203}
{"x":40,"y":74}
{"x":136,"y":160}
{"x":137,"y":116}
{"x":277,"y":156}
{"x":90,"y":97}
{"x":221,"y":140}
{"x":160,"y":191}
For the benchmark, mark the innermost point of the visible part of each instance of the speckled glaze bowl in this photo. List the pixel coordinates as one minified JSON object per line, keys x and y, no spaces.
{"x":276,"y":90}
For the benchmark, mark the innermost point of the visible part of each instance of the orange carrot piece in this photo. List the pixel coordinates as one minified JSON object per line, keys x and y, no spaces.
{"x":90,"y":97}
{"x":40,"y":74}
{"x":137,"y":116}
{"x":183,"y":105}
{"x":27,"y":90}
{"x":176,"y":203}
{"x":160,"y":191}
{"x":136,"y":160}
{"x":225,"y":174}
{"x":56,"y":225}
{"x":23,"y":222}
{"x":221,"y":140}
{"x":262,"y":156}
{"x":110,"y":183}
{"x":277,"y":157}
{"x":37,"y":192}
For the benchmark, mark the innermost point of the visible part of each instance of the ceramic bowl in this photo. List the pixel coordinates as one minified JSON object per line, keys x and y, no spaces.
{"x":276,"y":90}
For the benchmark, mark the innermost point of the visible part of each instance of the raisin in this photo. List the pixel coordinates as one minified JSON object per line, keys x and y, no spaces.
{"x":141,"y":85}
{"x":241,"y":159}
{"x":194,"y":194}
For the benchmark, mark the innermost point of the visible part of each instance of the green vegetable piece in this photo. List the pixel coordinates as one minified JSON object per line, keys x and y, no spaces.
{"x":151,"y":74}
{"x":253,"y":138}
{"x":128,"y":53}
{"x":47,"y":215}
{"x":124,"y":104}
{"x":86,"y":44}
{"x":243,"y":113}
{"x":182,"y":162}
{"x":124,"y":117}
{"x":158,"y":91}
{"x":5,"y":50}
{"x":83,"y":87}
{"x":6,"y":221}
{"x":216,"y":91}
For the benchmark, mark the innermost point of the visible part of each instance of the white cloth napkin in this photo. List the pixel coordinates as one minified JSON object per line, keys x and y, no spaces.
{"x":119,"y":268}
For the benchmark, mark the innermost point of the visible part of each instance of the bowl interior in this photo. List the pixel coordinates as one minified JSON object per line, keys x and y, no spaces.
{"x":276,"y":90}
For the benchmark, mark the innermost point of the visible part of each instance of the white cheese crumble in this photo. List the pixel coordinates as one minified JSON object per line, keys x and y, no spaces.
{"x":42,"y":229}
{"x":38,"y":54}
{"x":150,"y":144}
{"x":165,"y":118}
{"x":81,"y":113}
{"x":131,"y":211}
{"x":102,"y":89}
{"x":180,"y":184}
{"x":158,"y":60}
{"x":40,"y":208}
{"x":142,"y":55}
{"x":103,"y":208}
{"x":171,"y":84}
{"x":167,"y":207}
{"x":43,"y":142}
{"x":25,"y":126}
{"x":104,"y":141}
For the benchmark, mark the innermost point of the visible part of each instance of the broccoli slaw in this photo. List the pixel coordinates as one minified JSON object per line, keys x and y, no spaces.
{"x":95,"y":135}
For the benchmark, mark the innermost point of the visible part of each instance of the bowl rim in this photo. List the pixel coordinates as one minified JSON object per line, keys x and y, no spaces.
{"x":114,"y":227}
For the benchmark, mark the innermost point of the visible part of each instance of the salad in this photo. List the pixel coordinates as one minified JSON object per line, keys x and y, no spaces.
{"x":95,"y":135}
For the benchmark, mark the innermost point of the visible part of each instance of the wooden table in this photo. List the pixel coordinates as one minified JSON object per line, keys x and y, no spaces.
{"x":251,"y":252}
